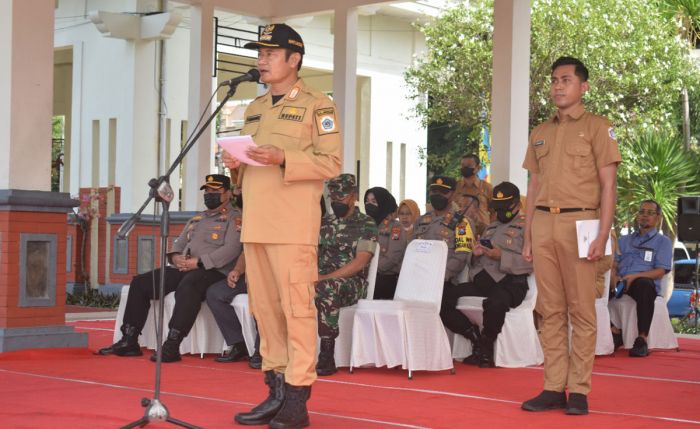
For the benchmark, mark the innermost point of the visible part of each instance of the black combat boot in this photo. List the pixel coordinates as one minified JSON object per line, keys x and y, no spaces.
{"x":171,"y":347}
{"x":486,"y":347}
{"x":326,"y":357}
{"x":127,"y":346}
{"x":293,"y":414}
{"x":473,"y":335}
{"x":267,"y":410}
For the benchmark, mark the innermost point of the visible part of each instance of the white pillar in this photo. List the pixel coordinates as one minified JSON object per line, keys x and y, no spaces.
{"x":510,"y":92}
{"x":198,"y":159}
{"x":345,"y":81}
{"x":26,"y":94}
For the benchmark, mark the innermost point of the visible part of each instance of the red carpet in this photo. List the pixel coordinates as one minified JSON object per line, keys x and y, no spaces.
{"x":72,"y":388}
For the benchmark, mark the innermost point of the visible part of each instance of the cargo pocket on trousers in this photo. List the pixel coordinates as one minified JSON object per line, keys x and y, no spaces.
{"x":301,"y":291}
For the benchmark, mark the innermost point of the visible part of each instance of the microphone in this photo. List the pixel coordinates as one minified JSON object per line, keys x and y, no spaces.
{"x":252,"y":76}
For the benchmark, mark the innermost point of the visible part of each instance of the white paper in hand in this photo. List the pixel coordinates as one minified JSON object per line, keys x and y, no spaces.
{"x":237,"y":146}
{"x":586,"y":232}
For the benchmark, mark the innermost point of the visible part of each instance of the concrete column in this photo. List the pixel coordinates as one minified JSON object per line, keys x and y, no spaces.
{"x":26,"y":94}
{"x":345,"y":81}
{"x":198,"y":160}
{"x":510,"y":92}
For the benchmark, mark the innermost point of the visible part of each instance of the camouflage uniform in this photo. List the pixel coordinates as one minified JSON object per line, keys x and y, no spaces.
{"x":340,"y":241}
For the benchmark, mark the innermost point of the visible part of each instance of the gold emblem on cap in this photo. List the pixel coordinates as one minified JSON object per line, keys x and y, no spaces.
{"x":210,"y":179}
{"x":499,"y":194}
{"x":267,"y":32}
{"x":438,"y":181}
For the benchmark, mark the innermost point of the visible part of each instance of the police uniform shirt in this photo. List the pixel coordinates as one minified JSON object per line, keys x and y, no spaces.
{"x":509,"y":238}
{"x":567,"y":153}
{"x":392,"y":240}
{"x":283,"y":200}
{"x":639,"y":253}
{"x":458,"y":236}
{"x":340,"y":240}
{"x":212,"y":236}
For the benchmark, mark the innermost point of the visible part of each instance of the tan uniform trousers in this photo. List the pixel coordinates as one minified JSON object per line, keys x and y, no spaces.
{"x":281,"y":292}
{"x":566,"y":289}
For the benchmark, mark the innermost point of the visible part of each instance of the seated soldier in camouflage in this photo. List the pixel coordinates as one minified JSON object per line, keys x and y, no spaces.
{"x":497,"y":271}
{"x":347,"y":242}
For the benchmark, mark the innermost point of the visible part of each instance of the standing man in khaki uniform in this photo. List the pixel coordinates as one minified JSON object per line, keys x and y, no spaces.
{"x":297,"y":133}
{"x":572,"y":159}
{"x":469,"y":185}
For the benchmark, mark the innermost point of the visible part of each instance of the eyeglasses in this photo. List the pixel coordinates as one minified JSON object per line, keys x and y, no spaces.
{"x":647,"y":212}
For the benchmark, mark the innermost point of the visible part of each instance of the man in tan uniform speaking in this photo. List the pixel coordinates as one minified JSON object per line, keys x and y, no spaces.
{"x":297,"y":133}
{"x":572,"y":159}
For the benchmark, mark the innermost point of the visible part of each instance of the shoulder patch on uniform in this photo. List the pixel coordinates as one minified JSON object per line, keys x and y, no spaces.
{"x":538,"y":143}
{"x":611,"y":133}
{"x":291,"y":113}
{"x":252,"y":118}
{"x":326,"y":121}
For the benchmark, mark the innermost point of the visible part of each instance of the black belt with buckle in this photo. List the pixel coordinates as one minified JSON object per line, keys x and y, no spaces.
{"x":557,"y":210}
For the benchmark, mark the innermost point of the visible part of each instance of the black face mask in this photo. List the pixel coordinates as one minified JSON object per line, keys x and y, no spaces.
{"x":505,"y":215}
{"x":439,"y":202}
{"x":372,"y":211}
{"x":467,"y":171}
{"x":339,"y":209}
{"x":212,"y":200}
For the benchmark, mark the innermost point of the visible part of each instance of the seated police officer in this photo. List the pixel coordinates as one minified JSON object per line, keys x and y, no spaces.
{"x":497,"y":271}
{"x":347,"y":242}
{"x":642,"y":259}
{"x":443,"y":223}
{"x":203,"y":254}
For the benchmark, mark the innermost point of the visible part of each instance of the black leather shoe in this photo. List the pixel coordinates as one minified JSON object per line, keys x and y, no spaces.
{"x":486,"y":359}
{"x":238,"y":352}
{"x":617,"y":341}
{"x":255,"y":361}
{"x":640,"y":348}
{"x":293,"y":414}
{"x":326,"y":359}
{"x":127,"y":346}
{"x":268,"y":409}
{"x":171,"y":348}
{"x":547,"y":400}
{"x":577,"y":405}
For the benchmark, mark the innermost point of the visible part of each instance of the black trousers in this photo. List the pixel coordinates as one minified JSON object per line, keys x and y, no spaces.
{"x":385,"y":286}
{"x":190,"y":290}
{"x":219,"y":299}
{"x":500,"y":298}
{"x":643,"y":291}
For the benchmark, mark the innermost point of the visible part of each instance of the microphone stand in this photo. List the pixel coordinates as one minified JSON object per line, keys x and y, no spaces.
{"x":161,"y":192}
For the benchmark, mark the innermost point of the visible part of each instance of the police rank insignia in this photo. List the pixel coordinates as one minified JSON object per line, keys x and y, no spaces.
{"x":294,"y":92}
{"x":326,"y":121}
{"x":292,"y":113}
{"x":395,"y":233}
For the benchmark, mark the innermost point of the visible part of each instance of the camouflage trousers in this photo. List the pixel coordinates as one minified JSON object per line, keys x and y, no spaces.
{"x":331,"y":296}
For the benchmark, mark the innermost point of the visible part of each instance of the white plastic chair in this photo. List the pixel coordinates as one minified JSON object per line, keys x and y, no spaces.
{"x":406,"y":331}
{"x":604,"y":344}
{"x":343,"y":344}
{"x":623,"y":314}
{"x":517,"y":345}
{"x":250,"y":331}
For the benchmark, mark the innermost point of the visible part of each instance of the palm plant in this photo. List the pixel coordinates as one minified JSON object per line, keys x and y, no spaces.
{"x":656,"y":166}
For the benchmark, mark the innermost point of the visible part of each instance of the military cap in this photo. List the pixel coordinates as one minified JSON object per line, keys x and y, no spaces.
{"x":278,"y":36}
{"x":505,"y":194}
{"x":443,"y":182}
{"x":216,"y":181}
{"x":342,"y":186}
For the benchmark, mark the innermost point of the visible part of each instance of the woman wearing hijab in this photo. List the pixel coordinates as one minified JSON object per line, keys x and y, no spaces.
{"x":408,"y":213}
{"x":380,"y":205}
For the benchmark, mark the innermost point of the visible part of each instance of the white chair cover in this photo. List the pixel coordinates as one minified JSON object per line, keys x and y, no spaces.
{"x":343,"y":344}
{"x":517,"y":345}
{"x":604,"y":342}
{"x":250,"y":331}
{"x":623,"y":314}
{"x":148,"y":334}
{"x":406,"y":331}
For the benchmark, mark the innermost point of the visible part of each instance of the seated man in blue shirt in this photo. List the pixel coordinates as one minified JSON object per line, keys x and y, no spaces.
{"x":643,"y":258}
